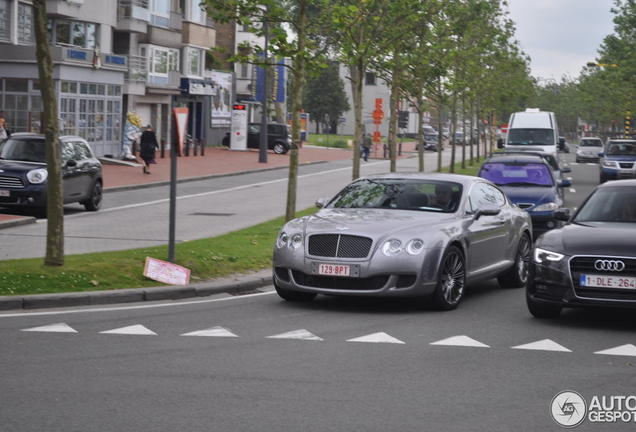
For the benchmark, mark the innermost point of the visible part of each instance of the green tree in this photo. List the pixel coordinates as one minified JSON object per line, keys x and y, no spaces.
{"x":325,"y":94}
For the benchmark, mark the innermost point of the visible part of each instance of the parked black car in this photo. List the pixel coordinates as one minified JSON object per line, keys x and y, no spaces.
{"x":529,"y":183}
{"x":23,"y":173}
{"x":591,"y":261}
{"x":278,"y":137}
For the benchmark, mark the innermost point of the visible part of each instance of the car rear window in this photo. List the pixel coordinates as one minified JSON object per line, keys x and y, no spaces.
{"x":517,"y":174}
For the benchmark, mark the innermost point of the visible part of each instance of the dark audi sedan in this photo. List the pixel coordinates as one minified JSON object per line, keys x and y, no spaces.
{"x":23,"y":173}
{"x":591,"y":261}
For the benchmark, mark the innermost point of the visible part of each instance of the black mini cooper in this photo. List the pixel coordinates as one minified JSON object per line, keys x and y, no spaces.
{"x":23,"y":173}
{"x":591,"y":261}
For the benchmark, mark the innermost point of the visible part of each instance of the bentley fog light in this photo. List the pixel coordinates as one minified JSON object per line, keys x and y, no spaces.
{"x":414,"y":247}
{"x":392,"y":247}
{"x":37,"y":176}
{"x":542,"y":255}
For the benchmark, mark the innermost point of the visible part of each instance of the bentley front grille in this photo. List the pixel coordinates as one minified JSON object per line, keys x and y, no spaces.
{"x":339,"y":246}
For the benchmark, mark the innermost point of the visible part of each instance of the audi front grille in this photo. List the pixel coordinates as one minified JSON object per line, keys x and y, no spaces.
{"x":605,"y":266}
{"x":11,"y":182}
{"x":339,"y":246}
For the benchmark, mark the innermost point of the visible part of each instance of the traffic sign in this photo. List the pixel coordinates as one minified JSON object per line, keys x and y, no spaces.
{"x":377,"y":114}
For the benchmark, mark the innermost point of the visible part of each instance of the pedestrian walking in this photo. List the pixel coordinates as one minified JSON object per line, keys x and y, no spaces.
{"x":366,"y":146}
{"x":147,"y":147}
{"x":4,"y":132}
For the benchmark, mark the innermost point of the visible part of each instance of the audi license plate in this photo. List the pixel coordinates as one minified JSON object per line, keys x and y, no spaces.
{"x":5,"y":193}
{"x":334,"y":270}
{"x":599,"y":281}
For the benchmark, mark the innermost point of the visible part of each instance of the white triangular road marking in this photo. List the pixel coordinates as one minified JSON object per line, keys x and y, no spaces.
{"x":54,"y":328}
{"x":296,"y":334}
{"x":131,"y":330}
{"x":625,"y":350}
{"x":214,"y":332}
{"x":377,"y":338}
{"x":543,"y":345}
{"x":460,"y":341}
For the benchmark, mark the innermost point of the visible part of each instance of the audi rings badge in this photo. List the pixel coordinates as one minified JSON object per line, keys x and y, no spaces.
{"x":609,"y":265}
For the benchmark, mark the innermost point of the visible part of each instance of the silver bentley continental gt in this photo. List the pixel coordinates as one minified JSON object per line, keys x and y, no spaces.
{"x":405,"y":235}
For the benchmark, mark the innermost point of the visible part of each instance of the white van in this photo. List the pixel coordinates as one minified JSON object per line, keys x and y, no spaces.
{"x":532,"y":129}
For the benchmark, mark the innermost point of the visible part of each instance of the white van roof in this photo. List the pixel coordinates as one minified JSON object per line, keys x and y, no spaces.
{"x":534,"y":119}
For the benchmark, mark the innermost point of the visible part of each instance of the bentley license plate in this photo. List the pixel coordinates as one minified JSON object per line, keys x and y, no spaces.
{"x":5,"y":193}
{"x":599,"y":281}
{"x":334,"y":270}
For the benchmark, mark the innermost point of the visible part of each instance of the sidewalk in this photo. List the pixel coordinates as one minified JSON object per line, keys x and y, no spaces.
{"x":217,"y":162}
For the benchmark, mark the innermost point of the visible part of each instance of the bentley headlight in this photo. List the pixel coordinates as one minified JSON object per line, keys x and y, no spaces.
{"x":414,"y":247}
{"x":392,"y":247}
{"x":542,"y":255}
{"x":546,"y":207}
{"x":282,"y":240}
{"x":296,"y":241}
{"x":37,"y":176}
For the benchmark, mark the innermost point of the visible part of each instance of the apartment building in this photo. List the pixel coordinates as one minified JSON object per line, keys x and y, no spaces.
{"x":109,"y":57}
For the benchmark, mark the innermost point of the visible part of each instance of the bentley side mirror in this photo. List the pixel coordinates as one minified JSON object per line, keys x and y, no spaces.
{"x":487,"y":210}
{"x":321,"y":202}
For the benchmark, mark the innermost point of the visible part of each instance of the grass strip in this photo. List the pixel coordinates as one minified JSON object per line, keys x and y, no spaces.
{"x":238,"y":252}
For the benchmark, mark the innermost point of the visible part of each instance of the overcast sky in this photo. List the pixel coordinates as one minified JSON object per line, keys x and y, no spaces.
{"x":561,"y":36}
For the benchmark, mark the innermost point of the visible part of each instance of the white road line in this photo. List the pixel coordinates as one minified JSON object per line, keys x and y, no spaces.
{"x":572,"y":190}
{"x":30,"y":314}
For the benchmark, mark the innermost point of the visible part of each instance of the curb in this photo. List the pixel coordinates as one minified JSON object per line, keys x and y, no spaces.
{"x":204,"y":177}
{"x":235,"y":285}
{"x":17,"y":221}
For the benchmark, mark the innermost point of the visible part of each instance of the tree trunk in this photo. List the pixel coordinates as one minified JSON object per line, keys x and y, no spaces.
{"x":297,"y":95}
{"x":393,"y":114}
{"x":357,"y":73}
{"x":54,"y":201}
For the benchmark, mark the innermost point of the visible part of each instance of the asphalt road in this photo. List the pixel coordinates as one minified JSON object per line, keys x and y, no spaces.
{"x":257,"y":363}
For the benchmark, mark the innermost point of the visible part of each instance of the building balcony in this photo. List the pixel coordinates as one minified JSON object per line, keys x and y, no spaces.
{"x":199,"y":35}
{"x":132,"y":16}
{"x":64,"y":8}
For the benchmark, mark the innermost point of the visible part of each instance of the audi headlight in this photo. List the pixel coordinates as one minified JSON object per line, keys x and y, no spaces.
{"x":609,"y":164}
{"x":542,"y":256}
{"x":392,"y":247}
{"x":546,"y":207}
{"x":37,"y":176}
{"x":414,"y":247}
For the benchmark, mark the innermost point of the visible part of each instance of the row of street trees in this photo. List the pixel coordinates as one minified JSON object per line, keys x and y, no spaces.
{"x":605,"y":91}
{"x":459,"y":53}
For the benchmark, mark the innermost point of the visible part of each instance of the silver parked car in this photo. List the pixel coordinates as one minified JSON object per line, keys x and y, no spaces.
{"x":405,"y":234}
{"x":588,"y":149}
